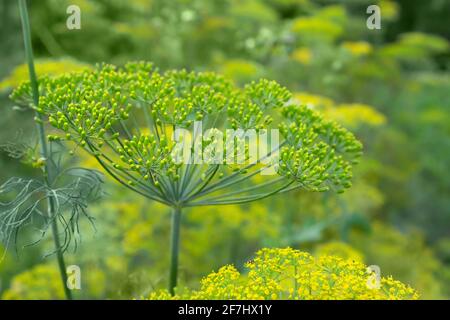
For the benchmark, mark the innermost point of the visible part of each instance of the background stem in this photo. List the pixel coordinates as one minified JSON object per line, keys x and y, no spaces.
{"x":174,"y":248}
{"x":43,"y":143}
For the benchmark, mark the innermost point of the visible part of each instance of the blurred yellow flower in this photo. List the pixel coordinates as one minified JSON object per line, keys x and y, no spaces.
{"x":389,"y":9}
{"x":47,"y":67}
{"x":355,"y":114}
{"x":350,"y":115}
{"x":359,"y":48}
{"x":339,"y":249}
{"x":313,"y":100}
{"x":241,"y":71}
{"x":214,"y":24}
{"x":414,"y":46}
{"x":43,"y":282}
{"x":302,"y":55}
{"x":136,"y":237}
{"x":39,"y":282}
{"x":328,"y":23}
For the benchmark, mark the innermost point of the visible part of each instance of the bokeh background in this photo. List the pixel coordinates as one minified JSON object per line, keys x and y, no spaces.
{"x":390,"y":86}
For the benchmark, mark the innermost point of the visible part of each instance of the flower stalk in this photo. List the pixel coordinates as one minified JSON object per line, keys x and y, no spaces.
{"x":47,"y":169}
{"x":174,"y":248}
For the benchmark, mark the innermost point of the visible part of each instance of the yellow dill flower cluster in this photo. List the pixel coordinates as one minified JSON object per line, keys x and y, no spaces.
{"x":292,"y":274}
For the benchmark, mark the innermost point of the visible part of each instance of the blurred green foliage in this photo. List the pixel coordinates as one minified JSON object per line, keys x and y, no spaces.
{"x":390,"y":86}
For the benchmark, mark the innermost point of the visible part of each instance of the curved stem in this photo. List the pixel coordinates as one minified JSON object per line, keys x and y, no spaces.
{"x":43,"y":143}
{"x":234,"y":177}
{"x":240,"y":200}
{"x":208,"y":177}
{"x":248,"y":189}
{"x":174,"y":248}
{"x":221,"y":185}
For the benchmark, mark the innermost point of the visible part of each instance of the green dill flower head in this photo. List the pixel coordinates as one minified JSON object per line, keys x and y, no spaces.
{"x":130,"y":120}
{"x":291,"y":274}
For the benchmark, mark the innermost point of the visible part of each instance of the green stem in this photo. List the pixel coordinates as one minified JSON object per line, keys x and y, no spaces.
{"x":59,"y":253}
{"x":252,"y":189}
{"x":174,"y":248}
{"x":43,"y":143}
{"x":240,"y":200}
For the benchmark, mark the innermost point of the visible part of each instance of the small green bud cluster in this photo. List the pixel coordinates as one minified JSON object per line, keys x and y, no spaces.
{"x":179,"y":98}
{"x":333,"y":134}
{"x":250,"y":111}
{"x":23,"y":95}
{"x":318,"y":153}
{"x":316,"y":169}
{"x":148,"y":156}
{"x":83,"y":105}
{"x":267,"y":94}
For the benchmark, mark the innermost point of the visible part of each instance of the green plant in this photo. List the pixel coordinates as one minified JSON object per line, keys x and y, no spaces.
{"x":62,"y":190}
{"x":292,"y":274}
{"x":127,"y":119}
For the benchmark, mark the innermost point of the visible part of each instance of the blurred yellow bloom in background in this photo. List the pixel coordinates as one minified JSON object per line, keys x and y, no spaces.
{"x":358,"y":48}
{"x":355,"y":114}
{"x":302,"y":55}
{"x":44,"y":67}
{"x":239,"y":70}
{"x":313,"y":100}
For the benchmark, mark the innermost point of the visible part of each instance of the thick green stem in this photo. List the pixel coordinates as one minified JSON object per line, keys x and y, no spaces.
{"x":174,"y":248}
{"x":43,"y":143}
